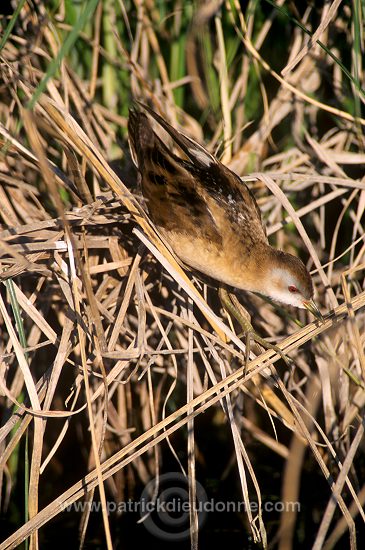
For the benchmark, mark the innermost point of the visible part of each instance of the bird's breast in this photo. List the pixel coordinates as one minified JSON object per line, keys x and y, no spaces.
{"x":227,"y":263}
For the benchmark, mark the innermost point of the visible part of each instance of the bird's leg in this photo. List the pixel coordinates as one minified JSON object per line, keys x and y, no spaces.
{"x":229,"y":300}
{"x":234,"y":308}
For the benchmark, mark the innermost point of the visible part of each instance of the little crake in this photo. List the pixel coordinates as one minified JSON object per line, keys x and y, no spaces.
{"x":210,"y":218}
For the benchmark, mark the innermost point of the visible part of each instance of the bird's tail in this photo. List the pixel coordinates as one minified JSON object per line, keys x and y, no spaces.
{"x":141,"y":136}
{"x":193,"y":150}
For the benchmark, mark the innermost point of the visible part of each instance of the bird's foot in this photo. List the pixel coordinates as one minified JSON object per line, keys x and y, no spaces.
{"x":268,"y":345}
{"x":234,"y":308}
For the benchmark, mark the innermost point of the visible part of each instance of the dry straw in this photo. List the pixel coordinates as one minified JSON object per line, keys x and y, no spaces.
{"x":92,"y":289}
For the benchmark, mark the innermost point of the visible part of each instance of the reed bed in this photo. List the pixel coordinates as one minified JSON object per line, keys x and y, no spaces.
{"x":117,"y":363}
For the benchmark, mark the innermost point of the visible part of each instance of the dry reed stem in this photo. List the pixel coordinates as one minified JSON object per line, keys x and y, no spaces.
{"x":146,"y":330}
{"x":200,"y":403}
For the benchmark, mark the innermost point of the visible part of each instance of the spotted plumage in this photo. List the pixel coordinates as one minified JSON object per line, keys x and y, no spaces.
{"x":209,"y":216}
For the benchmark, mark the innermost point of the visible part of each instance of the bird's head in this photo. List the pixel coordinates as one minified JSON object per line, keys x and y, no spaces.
{"x":288,"y":281}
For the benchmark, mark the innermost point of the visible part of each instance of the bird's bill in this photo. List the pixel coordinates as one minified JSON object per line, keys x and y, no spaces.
{"x":313,"y":308}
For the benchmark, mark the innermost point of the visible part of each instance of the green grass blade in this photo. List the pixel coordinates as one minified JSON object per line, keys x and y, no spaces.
{"x":65,"y":48}
{"x":11,"y":24}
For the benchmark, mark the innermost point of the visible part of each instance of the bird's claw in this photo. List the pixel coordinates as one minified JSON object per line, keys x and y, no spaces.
{"x":267,"y":345}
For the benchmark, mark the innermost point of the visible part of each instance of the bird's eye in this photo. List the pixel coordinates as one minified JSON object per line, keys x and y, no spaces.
{"x":293,"y":289}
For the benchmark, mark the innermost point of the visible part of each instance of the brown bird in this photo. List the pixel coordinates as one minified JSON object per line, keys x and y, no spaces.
{"x":211,"y":219}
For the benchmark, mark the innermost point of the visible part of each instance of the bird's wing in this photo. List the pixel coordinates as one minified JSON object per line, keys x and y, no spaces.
{"x":234,"y":201}
{"x":173,"y":198}
{"x":201,"y":192}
